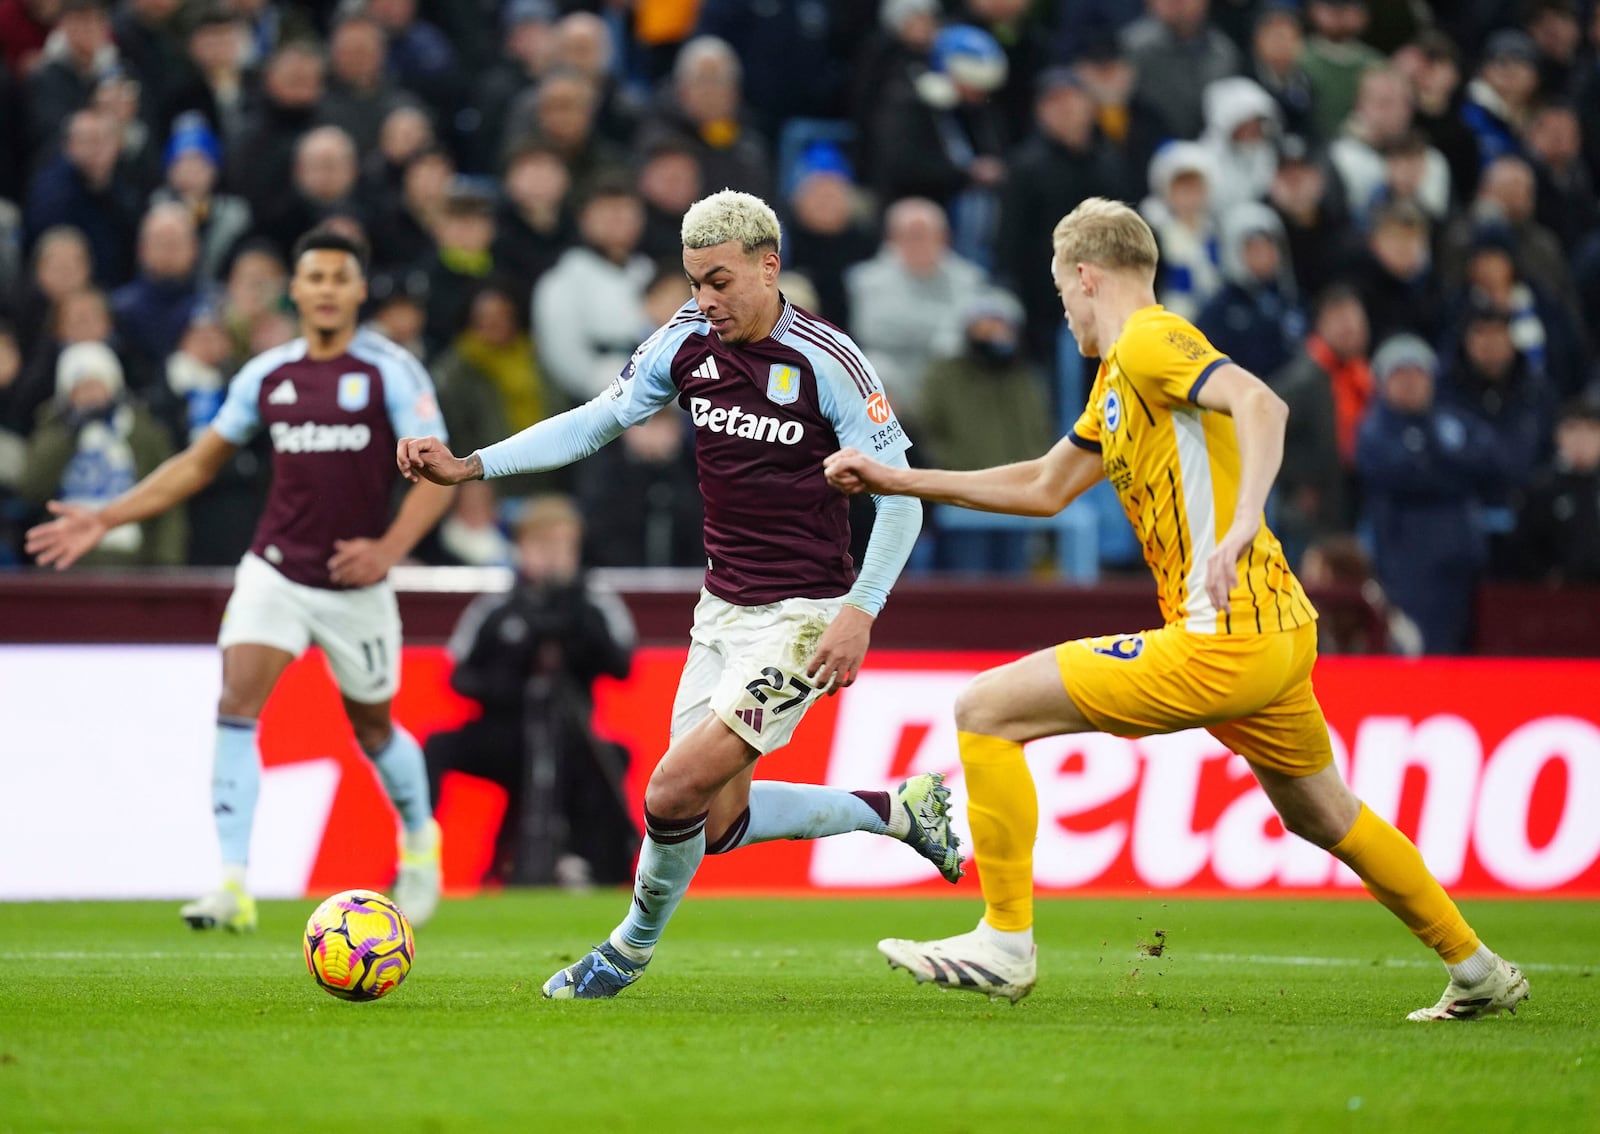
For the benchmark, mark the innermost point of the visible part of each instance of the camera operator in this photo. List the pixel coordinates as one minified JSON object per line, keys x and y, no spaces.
{"x":530,"y":658}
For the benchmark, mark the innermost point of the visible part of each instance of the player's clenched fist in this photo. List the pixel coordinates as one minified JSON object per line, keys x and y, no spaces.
{"x":428,"y":458}
{"x":851,"y":471}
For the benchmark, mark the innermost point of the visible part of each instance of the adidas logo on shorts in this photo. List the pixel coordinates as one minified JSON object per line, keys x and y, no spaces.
{"x":751,"y":717}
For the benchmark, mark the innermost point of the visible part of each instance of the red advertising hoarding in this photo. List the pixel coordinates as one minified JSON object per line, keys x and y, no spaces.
{"x":1493,"y":767}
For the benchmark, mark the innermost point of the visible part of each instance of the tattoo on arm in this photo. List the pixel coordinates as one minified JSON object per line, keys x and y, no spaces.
{"x":474,"y":466}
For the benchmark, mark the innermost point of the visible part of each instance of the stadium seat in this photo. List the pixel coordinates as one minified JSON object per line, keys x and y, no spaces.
{"x":1076,"y":527}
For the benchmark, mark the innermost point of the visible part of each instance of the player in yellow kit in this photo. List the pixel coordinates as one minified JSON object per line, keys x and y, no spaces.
{"x":1191,"y":442}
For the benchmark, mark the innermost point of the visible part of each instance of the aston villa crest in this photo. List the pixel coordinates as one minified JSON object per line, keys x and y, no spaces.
{"x":783,"y":384}
{"x":354,"y":390}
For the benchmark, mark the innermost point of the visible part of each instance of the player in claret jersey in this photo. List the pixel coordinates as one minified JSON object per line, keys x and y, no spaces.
{"x":783,"y":617}
{"x":333,"y":403}
{"x":1191,"y":442}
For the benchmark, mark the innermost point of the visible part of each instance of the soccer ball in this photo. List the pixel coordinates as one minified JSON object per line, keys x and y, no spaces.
{"x":358,"y":945}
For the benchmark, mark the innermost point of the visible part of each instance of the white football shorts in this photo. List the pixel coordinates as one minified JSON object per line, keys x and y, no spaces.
{"x":358,"y":630}
{"x":747,"y":664}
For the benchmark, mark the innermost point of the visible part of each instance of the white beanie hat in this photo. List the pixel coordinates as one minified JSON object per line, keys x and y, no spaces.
{"x":896,"y":12}
{"x":1400,"y":351}
{"x":81,"y":361}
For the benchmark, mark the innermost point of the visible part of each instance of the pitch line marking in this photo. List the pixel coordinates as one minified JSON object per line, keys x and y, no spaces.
{"x":198,"y":955}
{"x":1075,"y":954}
{"x":1345,"y":962}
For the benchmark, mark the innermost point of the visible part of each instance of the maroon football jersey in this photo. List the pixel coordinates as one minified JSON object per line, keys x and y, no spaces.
{"x":765,"y":415}
{"x":333,"y":424}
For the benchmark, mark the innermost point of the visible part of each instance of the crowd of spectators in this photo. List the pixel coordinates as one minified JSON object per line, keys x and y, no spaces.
{"x":1387,"y":211}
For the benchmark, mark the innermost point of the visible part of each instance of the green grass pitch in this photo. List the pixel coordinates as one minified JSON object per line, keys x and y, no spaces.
{"x":770,"y":1016}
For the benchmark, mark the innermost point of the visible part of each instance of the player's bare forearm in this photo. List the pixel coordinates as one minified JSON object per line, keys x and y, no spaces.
{"x":1259,"y":426}
{"x":171,"y":482}
{"x":1005,"y":488}
{"x":75,"y":530}
{"x":423,"y":507}
{"x":1260,"y":419}
{"x":1040,"y":487}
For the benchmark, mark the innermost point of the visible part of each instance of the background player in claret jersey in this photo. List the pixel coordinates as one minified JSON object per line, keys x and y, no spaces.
{"x":783,"y":616}
{"x":1191,"y":442}
{"x":333,"y":403}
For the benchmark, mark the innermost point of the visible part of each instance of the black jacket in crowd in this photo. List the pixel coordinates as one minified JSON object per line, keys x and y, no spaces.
{"x":504,"y":640}
{"x":1558,"y":527}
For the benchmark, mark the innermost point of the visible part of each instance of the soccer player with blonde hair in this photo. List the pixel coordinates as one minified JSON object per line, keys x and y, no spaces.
{"x":784,"y":616}
{"x":1191,"y":442}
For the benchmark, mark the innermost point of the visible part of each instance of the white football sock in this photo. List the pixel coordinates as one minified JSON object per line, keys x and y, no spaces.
{"x":1018,"y":943}
{"x":1475,"y":968}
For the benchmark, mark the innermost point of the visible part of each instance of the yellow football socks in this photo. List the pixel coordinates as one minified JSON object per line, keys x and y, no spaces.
{"x":1003,"y":809}
{"x":1392,"y":869}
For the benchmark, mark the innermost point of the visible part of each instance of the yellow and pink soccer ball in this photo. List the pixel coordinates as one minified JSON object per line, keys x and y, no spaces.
{"x":359,"y":945}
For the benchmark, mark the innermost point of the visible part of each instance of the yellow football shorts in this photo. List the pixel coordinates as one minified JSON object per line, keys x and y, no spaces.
{"x":1250,"y":691}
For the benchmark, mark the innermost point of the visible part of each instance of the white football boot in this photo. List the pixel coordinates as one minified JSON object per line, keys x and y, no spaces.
{"x":969,"y":961}
{"x":1501,"y":991}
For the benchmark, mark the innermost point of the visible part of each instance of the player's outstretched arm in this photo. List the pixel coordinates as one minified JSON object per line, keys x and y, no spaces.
{"x":1260,"y":418}
{"x":552,"y":443}
{"x":74,"y":532}
{"x":1040,"y":487}
{"x":430,"y":459}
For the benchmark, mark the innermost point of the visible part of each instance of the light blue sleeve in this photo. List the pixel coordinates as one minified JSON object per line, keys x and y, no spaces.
{"x":408,"y":395}
{"x":240,"y":414}
{"x":645,"y":384}
{"x":643,"y":387}
{"x":894,"y":534}
{"x":407,"y":390}
{"x":554,"y":442}
{"x":853,"y":399}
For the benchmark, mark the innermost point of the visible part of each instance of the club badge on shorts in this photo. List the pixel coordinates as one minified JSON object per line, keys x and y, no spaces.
{"x":354,"y":390}
{"x":783,"y":384}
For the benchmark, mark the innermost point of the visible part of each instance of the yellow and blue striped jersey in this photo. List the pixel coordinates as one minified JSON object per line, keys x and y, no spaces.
{"x":1175,"y":467}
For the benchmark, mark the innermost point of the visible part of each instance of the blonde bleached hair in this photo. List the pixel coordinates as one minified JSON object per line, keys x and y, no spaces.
{"x":1107,"y":233}
{"x":548,"y":510}
{"x":730,"y":215}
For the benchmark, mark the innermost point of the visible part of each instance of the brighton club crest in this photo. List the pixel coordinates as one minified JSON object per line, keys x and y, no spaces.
{"x":354,"y":390}
{"x":783,"y":384}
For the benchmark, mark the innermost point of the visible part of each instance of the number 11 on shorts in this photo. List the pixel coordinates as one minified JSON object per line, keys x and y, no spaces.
{"x":376,"y":654}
